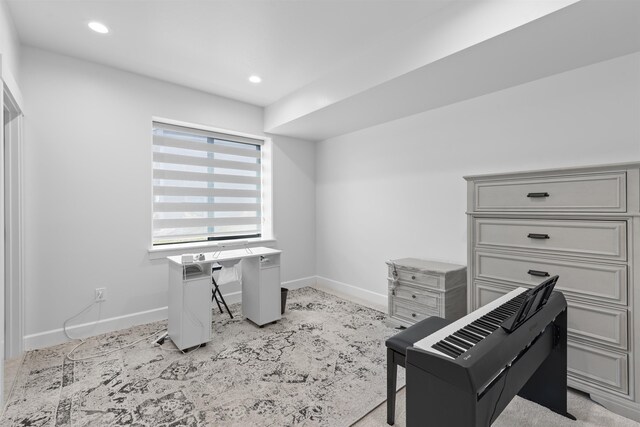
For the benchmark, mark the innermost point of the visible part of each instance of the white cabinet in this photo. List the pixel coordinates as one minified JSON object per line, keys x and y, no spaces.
{"x":261,"y":289}
{"x":189,"y":307}
{"x":420,"y":288}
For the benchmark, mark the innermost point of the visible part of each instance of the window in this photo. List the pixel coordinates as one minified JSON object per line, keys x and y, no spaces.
{"x":206,"y":185}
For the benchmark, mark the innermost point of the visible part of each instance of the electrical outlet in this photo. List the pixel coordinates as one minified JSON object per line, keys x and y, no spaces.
{"x":101,"y":294}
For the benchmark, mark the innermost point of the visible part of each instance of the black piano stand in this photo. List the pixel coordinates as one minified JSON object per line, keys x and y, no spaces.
{"x":539,"y":374}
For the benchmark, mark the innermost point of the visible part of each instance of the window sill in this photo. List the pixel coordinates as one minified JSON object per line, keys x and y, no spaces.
{"x":171,"y":250}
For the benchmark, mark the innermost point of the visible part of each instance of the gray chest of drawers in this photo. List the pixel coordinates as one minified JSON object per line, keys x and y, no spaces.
{"x":584,"y":225}
{"x":419,"y":289}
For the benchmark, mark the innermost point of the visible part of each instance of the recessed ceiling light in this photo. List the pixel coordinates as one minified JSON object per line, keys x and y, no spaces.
{"x":255,"y":79}
{"x":98,"y":27}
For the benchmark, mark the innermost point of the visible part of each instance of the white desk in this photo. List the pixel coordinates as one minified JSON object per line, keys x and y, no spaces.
{"x":190,"y":297}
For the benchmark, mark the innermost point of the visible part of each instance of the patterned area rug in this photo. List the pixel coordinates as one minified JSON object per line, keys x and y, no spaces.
{"x":323,"y":364}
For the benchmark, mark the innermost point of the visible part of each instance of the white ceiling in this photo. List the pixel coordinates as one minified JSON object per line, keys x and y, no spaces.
{"x":480,"y":50}
{"x":214,"y":45}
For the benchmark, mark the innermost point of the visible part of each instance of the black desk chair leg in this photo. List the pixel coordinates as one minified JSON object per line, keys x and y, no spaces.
{"x":392,"y":371}
{"x":216,"y":289}
{"x":215,"y":298}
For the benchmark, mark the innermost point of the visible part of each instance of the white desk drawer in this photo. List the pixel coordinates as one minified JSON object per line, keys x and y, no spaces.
{"x":606,"y":368}
{"x":596,"y":282}
{"x":269,"y":261}
{"x":593,"y":239}
{"x":595,"y":192}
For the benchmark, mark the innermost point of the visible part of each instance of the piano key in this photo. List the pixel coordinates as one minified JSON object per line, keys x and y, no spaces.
{"x":504,"y":313}
{"x":500,"y":318}
{"x":471,"y":337}
{"x":494,"y":319}
{"x":490,"y":324}
{"x":464,"y":330}
{"x":478,"y":331}
{"x":467,"y":341}
{"x":451,"y":348}
{"x":485,"y":325}
{"x":445,"y":350}
{"x":458,"y":348}
{"x":492,"y":316}
{"x":457,"y":341}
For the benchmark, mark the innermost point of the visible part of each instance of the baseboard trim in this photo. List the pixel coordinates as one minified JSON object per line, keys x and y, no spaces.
{"x":354,"y":293}
{"x":619,"y":406}
{"x":57,"y":336}
{"x":300,"y":283}
{"x":103,"y":326}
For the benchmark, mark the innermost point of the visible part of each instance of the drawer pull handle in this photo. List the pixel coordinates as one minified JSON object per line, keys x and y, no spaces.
{"x":538,"y":273}
{"x":413,"y":296}
{"x":413,"y":315}
{"x":538,"y":195}
{"x":537,"y":236}
{"x":413,"y":277}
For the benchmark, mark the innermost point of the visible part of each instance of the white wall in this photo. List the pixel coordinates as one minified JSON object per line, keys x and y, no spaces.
{"x":88,"y":189}
{"x":9,"y":43}
{"x":295,"y":203}
{"x":396,"y":190}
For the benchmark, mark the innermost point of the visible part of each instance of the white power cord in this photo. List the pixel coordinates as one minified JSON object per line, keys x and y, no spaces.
{"x":83,"y":340}
{"x":84,"y":310}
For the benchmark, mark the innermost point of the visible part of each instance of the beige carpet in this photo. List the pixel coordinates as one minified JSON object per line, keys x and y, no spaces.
{"x":521,"y":413}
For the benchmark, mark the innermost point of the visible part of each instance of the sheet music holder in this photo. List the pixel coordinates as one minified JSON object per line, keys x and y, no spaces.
{"x":536,"y":299}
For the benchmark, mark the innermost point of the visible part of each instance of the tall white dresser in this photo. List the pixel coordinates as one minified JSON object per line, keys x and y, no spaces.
{"x":584,"y":225}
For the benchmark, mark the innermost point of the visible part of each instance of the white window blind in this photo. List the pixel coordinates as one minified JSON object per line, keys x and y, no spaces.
{"x":206,"y":185}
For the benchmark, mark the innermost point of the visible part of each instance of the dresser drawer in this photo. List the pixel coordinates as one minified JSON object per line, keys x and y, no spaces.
{"x":411,"y":313}
{"x":595,"y":282}
{"x":607,"y":326}
{"x":419,"y":296}
{"x":595,"y":192}
{"x":598,"y":324}
{"x":605,"y":368}
{"x":593,"y":239}
{"x":423,"y":279}
{"x":484,"y":293}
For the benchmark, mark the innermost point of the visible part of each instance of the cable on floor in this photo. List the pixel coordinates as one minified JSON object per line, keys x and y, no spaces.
{"x":84,"y":340}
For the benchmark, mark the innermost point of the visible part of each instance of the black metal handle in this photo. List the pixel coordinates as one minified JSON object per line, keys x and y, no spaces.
{"x":413,"y":296}
{"x":535,"y":195}
{"x":413,"y":277}
{"x":537,"y":236}
{"x":413,"y":315}
{"x":538,"y":273}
